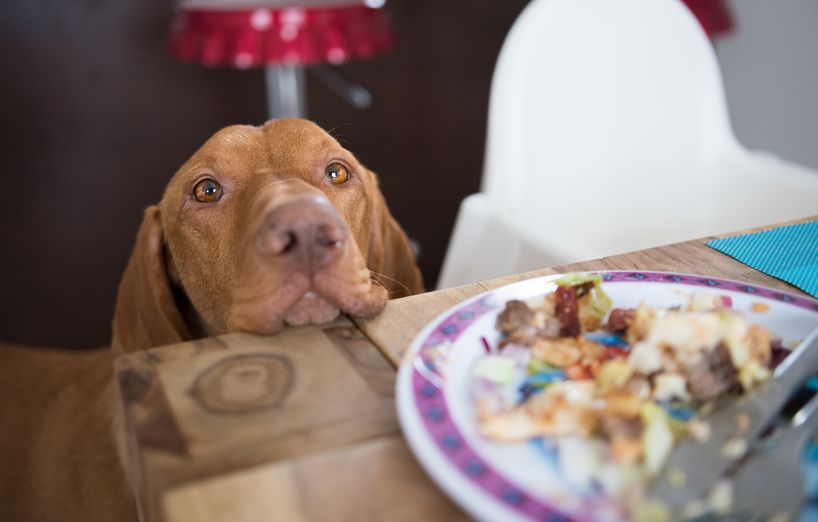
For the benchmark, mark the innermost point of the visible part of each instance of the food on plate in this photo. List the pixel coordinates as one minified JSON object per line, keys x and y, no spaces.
{"x":617,"y":384}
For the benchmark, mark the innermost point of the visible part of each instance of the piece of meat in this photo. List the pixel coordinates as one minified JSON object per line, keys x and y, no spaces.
{"x":624,"y":435}
{"x":620,"y":427}
{"x":712,"y":376}
{"x":567,"y":311}
{"x":777,"y":353}
{"x":515,"y":315}
{"x":620,"y":319}
{"x":516,"y":323}
{"x":520,"y":324}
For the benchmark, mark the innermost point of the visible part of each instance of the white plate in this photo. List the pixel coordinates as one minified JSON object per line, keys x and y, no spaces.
{"x":494,"y":481}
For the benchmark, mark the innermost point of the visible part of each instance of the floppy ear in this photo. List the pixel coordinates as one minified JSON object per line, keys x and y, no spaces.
{"x":391,"y":257}
{"x":146,"y":314}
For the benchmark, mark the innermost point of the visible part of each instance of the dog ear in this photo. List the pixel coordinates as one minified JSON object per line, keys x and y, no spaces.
{"x":146,"y":314}
{"x":391,"y":258}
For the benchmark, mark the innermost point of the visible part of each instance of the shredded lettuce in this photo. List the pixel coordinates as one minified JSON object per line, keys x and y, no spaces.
{"x":657,"y":438}
{"x":578,"y":278}
{"x":539,"y":366}
{"x":600,"y":301}
{"x":496,"y":368}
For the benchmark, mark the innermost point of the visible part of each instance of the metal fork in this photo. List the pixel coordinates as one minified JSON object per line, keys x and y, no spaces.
{"x":771,"y":484}
{"x":703,"y":463}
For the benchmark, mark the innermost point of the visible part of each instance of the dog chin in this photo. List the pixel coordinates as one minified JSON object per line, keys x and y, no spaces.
{"x":311,"y":309}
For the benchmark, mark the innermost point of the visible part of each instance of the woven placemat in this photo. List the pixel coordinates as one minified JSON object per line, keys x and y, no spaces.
{"x":789,"y":253}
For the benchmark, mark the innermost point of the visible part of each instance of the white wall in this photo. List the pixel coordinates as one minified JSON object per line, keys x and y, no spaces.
{"x":770,"y":67}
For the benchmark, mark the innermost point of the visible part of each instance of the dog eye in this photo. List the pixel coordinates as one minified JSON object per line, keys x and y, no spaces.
{"x":207,"y":191}
{"x":337,"y":173}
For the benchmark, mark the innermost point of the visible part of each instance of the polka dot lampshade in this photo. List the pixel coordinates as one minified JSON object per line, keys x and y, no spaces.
{"x":263,"y":33}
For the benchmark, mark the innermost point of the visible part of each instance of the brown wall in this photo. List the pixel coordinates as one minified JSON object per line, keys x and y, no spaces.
{"x":96,"y":117}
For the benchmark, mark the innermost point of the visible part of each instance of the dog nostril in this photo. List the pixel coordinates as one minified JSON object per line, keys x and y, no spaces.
{"x":328,"y":236}
{"x":289,"y":241}
{"x":276,"y":240}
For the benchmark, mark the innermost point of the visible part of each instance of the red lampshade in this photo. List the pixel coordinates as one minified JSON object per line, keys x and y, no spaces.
{"x":257,"y":37}
{"x":713,"y":15}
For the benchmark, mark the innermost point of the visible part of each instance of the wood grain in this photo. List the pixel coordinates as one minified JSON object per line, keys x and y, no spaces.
{"x":376,"y":480}
{"x":216,"y":406}
{"x":691,"y":257}
{"x":394,"y":329}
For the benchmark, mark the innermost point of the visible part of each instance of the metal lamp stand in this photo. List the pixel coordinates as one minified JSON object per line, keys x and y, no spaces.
{"x":286,"y":89}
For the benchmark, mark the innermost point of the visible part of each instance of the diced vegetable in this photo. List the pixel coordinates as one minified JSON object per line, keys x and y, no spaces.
{"x":538,"y":366}
{"x":614,"y":400}
{"x":577,"y":372}
{"x":657,"y":439}
{"x":613,"y":374}
{"x":600,"y":302}
{"x":545,"y":378}
{"x":496,"y":368}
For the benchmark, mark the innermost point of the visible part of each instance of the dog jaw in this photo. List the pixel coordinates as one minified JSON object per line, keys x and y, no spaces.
{"x":271,"y":296}
{"x":353,"y":291}
{"x":311,"y":309}
{"x":268,"y":314}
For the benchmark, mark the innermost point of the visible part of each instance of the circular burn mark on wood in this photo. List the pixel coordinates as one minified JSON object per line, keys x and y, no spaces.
{"x":244,"y":383}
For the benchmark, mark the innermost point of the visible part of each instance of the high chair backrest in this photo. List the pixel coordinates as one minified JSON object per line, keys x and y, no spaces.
{"x":608,"y":132}
{"x":591,"y":94}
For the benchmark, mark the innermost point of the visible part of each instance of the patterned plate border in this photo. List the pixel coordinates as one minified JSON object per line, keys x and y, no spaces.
{"x":430,"y":401}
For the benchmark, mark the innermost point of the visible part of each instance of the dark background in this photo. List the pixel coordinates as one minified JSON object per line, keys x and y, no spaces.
{"x":96,"y":118}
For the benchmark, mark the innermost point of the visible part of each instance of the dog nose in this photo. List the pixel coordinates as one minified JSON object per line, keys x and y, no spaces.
{"x":307,"y":232}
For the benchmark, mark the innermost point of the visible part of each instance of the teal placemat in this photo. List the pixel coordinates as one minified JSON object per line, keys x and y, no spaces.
{"x":789,"y":253}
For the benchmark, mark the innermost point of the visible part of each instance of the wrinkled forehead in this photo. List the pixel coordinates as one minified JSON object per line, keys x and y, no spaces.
{"x":277,"y":142}
{"x":284,"y":138}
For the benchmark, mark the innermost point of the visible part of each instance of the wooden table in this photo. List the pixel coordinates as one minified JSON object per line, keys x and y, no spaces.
{"x":302,"y":425}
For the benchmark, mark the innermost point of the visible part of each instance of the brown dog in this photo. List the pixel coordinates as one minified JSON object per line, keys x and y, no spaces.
{"x":261,"y":228}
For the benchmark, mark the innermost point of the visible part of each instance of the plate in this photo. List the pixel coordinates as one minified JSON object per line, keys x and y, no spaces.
{"x":496,"y":481}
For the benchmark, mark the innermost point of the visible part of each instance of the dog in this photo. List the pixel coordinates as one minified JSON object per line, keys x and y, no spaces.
{"x":261,"y":228}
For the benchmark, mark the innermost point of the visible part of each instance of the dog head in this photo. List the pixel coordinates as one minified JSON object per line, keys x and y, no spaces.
{"x":260,"y":228}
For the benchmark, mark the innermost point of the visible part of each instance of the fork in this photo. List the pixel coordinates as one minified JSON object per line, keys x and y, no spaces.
{"x":771,"y":484}
{"x":703,"y":463}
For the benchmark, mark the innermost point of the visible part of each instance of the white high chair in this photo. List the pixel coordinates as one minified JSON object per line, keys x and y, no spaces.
{"x":608,"y":132}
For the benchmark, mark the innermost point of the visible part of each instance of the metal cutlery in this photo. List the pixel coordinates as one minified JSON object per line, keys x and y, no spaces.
{"x":770,"y":485}
{"x":696,"y":466}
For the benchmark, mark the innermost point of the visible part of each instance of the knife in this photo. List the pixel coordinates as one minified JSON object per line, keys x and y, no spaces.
{"x":695,"y":466}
